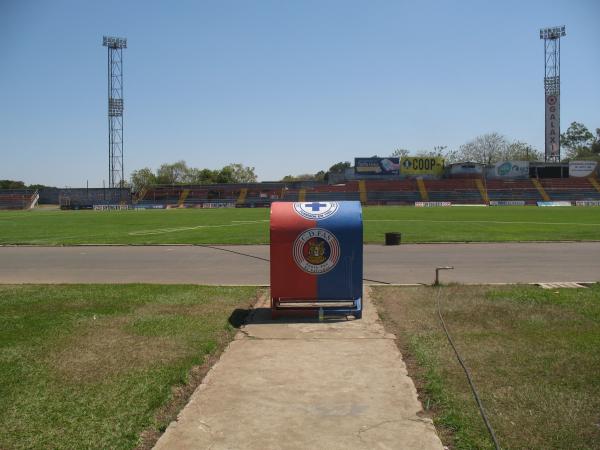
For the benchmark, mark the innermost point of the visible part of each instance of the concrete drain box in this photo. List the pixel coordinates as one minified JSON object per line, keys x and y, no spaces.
{"x":316,"y":259}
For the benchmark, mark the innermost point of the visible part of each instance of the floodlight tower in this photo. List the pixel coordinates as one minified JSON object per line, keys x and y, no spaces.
{"x":551,"y":37}
{"x":115,"y":46}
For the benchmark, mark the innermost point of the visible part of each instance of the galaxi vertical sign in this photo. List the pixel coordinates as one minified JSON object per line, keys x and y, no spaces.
{"x":552,"y":126}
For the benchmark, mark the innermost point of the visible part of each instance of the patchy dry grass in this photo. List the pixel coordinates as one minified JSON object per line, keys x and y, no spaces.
{"x":534,"y":356}
{"x":101,"y":366}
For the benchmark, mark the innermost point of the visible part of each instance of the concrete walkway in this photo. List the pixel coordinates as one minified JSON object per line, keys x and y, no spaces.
{"x":407,"y":263}
{"x":305,"y":385}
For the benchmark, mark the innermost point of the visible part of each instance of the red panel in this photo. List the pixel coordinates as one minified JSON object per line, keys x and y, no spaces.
{"x":287,"y":279}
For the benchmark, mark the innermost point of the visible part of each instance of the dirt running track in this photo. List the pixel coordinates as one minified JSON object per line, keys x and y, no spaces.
{"x":473,"y":263}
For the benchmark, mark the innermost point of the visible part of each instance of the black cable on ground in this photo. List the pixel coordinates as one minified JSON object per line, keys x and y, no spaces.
{"x":233,"y":251}
{"x":469,"y":379}
{"x":265,"y":259}
{"x":376,"y":281}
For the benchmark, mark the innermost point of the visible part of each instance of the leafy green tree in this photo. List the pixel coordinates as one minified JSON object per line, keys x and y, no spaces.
{"x":142,"y":178}
{"x":521,"y":151}
{"x":11,"y":184}
{"x":596,"y":143}
{"x":485,"y":149}
{"x":301,"y":177}
{"x":174,"y":173}
{"x":225,"y":175}
{"x":577,"y":141}
{"x":242,"y":174}
{"x":38,"y":186}
{"x":321,"y":175}
{"x":340,"y":167}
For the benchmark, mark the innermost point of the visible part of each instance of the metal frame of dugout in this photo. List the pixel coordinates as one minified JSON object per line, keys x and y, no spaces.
{"x":316,"y":259}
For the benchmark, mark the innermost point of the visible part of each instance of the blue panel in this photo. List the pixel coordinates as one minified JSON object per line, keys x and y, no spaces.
{"x":344,"y":281}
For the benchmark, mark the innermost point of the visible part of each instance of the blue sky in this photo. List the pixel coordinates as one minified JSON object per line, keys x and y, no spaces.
{"x":287,"y":87}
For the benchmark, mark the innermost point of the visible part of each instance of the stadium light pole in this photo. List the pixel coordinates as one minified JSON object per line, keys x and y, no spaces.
{"x":551,"y":37}
{"x":115,"y":46}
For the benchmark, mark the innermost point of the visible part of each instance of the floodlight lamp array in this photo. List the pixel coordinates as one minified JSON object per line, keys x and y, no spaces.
{"x":115,"y":107}
{"x":114,"y":42}
{"x":553,"y":32}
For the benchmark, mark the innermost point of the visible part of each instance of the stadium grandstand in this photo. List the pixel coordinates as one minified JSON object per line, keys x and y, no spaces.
{"x":18,"y":198}
{"x":400,"y":192}
{"x":458,"y":184}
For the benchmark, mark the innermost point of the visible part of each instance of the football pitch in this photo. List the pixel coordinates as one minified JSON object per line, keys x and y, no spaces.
{"x":251,"y":226}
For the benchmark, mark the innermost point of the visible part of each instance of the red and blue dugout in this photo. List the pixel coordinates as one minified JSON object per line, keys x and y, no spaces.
{"x":317,"y":257}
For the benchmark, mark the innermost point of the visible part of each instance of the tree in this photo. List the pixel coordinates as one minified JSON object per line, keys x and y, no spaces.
{"x":340,"y":167}
{"x":175,"y":173}
{"x":142,"y":178}
{"x":521,"y":151}
{"x":321,"y":175}
{"x":485,"y":149}
{"x":39,"y":186}
{"x":400,"y":153}
{"x":241,"y":173}
{"x":596,"y":143}
{"x":577,"y":141}
{"x":225,"y":175}
{"x":301,"y":177}
{"x":11,"y":184}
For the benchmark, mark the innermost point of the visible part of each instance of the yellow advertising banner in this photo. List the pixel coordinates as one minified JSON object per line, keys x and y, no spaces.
{"x":422,"y":166}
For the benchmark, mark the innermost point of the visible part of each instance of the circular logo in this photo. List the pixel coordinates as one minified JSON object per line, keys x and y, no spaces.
{"x":551,"y":100}
{"x":316,"y":210}
{"x":316,"y":251}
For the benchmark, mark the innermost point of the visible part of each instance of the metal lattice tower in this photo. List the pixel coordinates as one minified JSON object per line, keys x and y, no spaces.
{"x":115,"y":46}
{"x":551,"y":37}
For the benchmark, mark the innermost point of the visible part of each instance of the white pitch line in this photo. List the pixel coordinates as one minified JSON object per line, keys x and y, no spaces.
{"x":483,"y":221}
{"x":178,"y":229}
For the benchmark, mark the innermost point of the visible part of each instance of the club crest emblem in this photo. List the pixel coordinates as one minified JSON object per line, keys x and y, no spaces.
{"x":316,"y":251}
{"x":316,"y":210}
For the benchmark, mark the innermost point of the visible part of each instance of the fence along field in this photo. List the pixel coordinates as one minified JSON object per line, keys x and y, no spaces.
{"x":251,"y":225}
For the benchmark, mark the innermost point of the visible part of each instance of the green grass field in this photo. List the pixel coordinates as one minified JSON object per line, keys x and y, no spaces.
{"x":93,"y":366}
{"x":251,"y":226}
{"x":533,"y":355}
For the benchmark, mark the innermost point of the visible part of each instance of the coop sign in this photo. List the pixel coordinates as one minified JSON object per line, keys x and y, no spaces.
{"x":418,"y":166}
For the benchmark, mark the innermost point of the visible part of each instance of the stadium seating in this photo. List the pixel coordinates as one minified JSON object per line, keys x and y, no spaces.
{"x":17,"y":198}
{"x":375,"y":192}
{"x":456,"y":191}
{"x":513,"y":190}
{"x":570,"y":189}
{"x":85,"y":198}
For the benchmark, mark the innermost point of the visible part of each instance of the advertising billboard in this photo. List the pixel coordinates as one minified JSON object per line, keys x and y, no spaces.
{"x":509,"y":169}
{"x":552,"y":127}
{"x":377,"y":166}
{"x":466,"y":170}
{"x":419,"y":166}
{"x":582,"y":168}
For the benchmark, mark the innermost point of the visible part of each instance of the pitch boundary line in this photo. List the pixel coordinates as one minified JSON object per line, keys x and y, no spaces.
{"x":178,"y":229}
{"x":495,"y":222}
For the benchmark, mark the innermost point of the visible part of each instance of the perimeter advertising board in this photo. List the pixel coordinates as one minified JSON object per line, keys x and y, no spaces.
{"x":582,"y":168}
{"x":509,"y":169}
{"x":552,"y":126}
{"x":419,"y":166}
{"x":466,"y":170}
{"x":377,"y":166}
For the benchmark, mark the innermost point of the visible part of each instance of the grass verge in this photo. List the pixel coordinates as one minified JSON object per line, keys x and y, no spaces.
{"x":533,"y":354}
{"x":251,"y":226}
{"x":106,"y":366}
